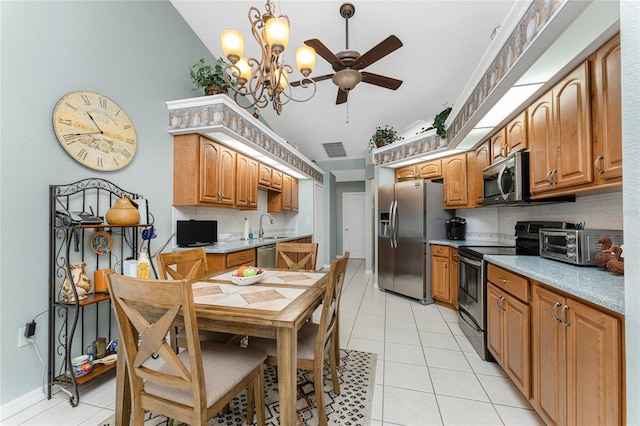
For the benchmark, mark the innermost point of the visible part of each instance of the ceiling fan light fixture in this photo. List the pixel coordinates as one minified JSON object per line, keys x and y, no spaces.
{"x":346,"y":79}
{"x":232,"y":45}
{"x":305,"y":59}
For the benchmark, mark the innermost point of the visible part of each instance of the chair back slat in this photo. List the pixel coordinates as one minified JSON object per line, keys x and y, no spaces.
{"x":331,"y":305}
{"x":146,"y":311}
{"x":296,"y":255}
{"x":173,"y":264}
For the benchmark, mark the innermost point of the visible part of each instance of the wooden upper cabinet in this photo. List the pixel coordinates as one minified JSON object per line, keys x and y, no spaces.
{"x":430,"y":169}
{"x":406,"y":173}
{"x":276,"y":179}
{"x":516,"y":134}
{"x":455,"y":181}
{"x":559,"y":135}
{"x":499,"y":145}
{"x":247,"y":182}
{"x":477,"y":161}
{"x":203,"y":172}
{"x":287,"y":199}
{"x":264,"y":175}
{"x":607,"y":112}
{"x":294,"y":194}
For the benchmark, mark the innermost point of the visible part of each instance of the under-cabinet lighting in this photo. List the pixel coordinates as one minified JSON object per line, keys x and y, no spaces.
{"x":510,"y":102}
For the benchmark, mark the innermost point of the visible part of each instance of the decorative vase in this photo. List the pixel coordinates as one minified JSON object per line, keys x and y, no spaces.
{"x":79,"y":279}
{"x":214,"y":90}
{"x":123,"y":212}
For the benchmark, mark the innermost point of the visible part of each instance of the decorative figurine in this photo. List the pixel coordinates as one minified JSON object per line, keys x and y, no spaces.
{"x":81,"y":281}
{"x":616,"y":264}
{"x":605,"y":254}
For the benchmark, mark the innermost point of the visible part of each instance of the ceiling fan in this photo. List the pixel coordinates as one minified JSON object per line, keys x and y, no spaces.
{"x":349,"y":63}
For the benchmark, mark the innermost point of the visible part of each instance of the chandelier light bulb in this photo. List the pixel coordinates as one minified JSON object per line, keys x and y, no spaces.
{"x":232,"y":45}
{"x":276,"y":32}
{"x":305,"y":59}
{"x":245,"y":70}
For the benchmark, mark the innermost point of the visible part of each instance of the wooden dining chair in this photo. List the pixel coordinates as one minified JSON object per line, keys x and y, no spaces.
{"x":296,"y":255}
{"x":188,"y":265}
{"x":191,"y":386}
{"x":316,"y":340}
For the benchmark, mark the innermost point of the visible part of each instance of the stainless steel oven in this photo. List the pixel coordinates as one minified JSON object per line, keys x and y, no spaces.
{"x":472,"y":279}
{"x":471,"y":311}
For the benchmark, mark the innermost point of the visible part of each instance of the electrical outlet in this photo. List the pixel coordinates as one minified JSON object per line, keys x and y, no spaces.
{"x":22,"y":341}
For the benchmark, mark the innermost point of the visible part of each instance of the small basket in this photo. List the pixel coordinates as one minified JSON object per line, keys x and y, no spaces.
{"x":247,"y":280}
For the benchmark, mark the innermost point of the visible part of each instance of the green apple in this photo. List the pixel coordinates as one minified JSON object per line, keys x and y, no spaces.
{"x":250,"y":272}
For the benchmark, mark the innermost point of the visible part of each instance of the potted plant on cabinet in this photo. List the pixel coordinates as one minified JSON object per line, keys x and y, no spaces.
{"x":438,"y":123}
{"x":383,"y":136}
{"x":211,"y":78}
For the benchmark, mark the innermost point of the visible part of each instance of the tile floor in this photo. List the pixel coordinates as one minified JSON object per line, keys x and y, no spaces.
{"x":427,"y":372}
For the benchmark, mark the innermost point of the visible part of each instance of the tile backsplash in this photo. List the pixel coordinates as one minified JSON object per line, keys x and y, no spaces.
{"x":600,"y":211}
{"x":231,"y":221}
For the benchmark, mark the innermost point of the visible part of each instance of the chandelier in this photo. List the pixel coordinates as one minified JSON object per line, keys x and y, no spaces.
{"x":266,"y":80}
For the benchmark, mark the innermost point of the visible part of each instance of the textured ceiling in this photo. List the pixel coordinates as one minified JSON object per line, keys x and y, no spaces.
{"x":443,"y":43}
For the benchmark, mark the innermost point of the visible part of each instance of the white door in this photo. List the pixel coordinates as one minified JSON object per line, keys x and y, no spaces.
{"x":318,"y":218}
{"x":353,"y":232}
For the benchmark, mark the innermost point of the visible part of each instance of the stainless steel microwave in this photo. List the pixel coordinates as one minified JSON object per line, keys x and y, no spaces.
{"x":507,"y":181}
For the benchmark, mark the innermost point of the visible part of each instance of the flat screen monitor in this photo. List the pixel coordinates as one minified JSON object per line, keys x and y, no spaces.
{"x":196,"y":233}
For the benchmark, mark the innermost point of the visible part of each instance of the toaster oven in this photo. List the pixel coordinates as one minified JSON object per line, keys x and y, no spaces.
{"x":575,"y":246}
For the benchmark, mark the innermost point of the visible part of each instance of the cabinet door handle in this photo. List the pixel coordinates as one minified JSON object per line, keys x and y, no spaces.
{"x":445,"y":265}
{"x":553,"y":312}
{"x":563,"y":316}
{"x":596,"y":166}
{"x":549,"y":177}
{"x":501,"y":303}
{"x":502,"y":280}
{"x":242,"y":257}
{"x":554,"y":178}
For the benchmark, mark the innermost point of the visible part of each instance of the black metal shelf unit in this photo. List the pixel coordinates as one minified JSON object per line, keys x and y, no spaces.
{"x":74,"y":319}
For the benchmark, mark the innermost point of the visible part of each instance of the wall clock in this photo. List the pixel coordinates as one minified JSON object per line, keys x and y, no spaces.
{"x":94,"y":130}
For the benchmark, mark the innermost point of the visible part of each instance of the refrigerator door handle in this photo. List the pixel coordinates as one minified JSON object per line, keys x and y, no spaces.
{"x":395,"y":224}
{"x":391,"y":231}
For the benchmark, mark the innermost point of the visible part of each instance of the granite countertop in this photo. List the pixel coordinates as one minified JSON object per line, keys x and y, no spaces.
{"x":224,"y":247}
{"x":475,"y":243}
{"x":589,"y":283}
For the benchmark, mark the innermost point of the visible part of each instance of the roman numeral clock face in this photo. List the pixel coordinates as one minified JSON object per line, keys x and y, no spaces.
{"x":94,"y":130}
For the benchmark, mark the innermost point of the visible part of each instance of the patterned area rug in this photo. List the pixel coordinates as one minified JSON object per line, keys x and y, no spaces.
{"x":352,"y":407}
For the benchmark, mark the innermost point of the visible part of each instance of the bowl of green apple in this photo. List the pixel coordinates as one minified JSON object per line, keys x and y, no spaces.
{"x":247,"y":275}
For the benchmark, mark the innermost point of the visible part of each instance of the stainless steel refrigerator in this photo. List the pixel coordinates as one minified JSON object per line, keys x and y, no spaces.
{"x":409,"y":215}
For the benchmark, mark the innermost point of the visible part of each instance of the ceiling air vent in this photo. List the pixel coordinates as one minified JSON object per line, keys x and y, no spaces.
{"x":334,"y":149}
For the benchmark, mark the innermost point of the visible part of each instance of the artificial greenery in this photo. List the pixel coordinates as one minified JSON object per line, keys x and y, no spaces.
{"x":383,"y":136}
{"x":438,"y":123}
{"x":204,"y":75}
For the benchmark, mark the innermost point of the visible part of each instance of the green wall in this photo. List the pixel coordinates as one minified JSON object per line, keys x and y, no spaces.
{"x":138,"y":53}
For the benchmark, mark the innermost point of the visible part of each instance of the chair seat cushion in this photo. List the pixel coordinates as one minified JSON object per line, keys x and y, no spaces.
{"x":224,"y":367}
{"x":306,"y":342}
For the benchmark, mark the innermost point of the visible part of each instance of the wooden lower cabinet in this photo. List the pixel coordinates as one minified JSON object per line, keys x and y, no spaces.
{"x":219,"y":262}
{"x":444,"y":275}
{"x":508,"y":335}
{"x":576,"y":361}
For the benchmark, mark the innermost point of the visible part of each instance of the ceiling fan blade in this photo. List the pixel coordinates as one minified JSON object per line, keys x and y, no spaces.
{"x":380,"y":80}
{"x":378,"y":52}
{"x":316,"y":79}
{"x":342,"y":96}
{"x":324,"y":51}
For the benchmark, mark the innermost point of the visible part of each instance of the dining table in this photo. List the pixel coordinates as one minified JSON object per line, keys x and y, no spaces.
{"x":275,"y":307}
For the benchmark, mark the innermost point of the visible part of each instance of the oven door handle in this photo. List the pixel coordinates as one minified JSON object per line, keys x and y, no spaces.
{"x":471,"y":321}
{"x":469,"y":261}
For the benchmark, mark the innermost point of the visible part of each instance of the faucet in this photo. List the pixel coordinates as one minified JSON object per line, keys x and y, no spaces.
{"x":261,"y":231}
